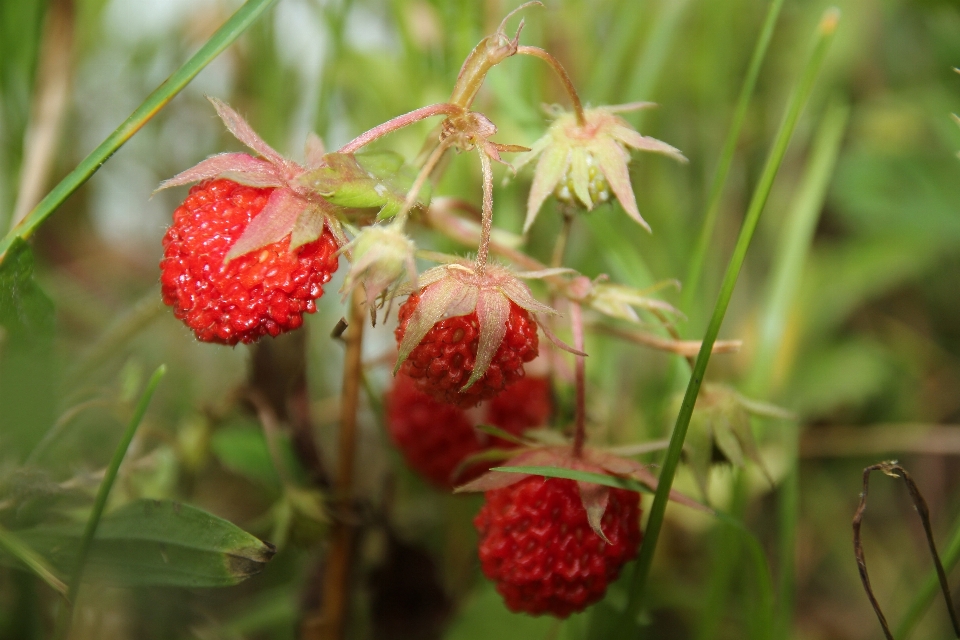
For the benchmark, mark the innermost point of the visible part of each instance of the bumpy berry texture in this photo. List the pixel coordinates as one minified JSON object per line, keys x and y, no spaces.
{"x":443,"y":361}
{"x":435,"y":437}
{"x":537,"y":547}
{"x":265,"y":292}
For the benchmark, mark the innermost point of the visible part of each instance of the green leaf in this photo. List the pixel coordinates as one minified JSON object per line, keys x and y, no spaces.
{"x":365,"y":180}
{"x":25,"y":311}
{"x":157,"y":543}
{"x":616,"y":482}
{"x":242,"y":448}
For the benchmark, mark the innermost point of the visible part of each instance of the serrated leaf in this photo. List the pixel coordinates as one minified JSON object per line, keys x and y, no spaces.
{"x":157,"y":543}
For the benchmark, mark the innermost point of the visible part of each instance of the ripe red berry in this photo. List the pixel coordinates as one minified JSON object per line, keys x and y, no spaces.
{"x":537,"y":546}
{"x":263,"y":292}
{"x":435,"y":437}
{"x":443,"y":361}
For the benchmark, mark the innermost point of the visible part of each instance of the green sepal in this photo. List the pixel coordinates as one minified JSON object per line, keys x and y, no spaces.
{"x":366,"y":180}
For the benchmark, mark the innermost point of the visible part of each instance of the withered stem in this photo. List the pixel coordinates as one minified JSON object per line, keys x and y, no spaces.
{"x":336,"y":590}
{"x":579,"y":435}
{"x":537,"y":52}
{"x":399,"y":122}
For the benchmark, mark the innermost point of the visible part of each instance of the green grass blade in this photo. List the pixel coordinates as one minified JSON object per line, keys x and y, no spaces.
{"x":824,"y":35}
{"x":930,"y":587}
{"x":103,"y":492}
{"x":792,"y":252}
{"x":225,"y":35}
{"x":31,"y":559}
{"x":694,"y":272}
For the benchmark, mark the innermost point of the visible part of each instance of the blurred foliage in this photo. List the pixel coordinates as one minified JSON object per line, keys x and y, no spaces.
{"x":873,"y":335}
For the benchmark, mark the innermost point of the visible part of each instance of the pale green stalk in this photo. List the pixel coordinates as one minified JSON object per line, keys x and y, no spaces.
{"x":100,"y":502}
{"x":31,"y":559}
{"x":225,"y":35}
{"x":694,"y":272}
{"x":825,"y":31}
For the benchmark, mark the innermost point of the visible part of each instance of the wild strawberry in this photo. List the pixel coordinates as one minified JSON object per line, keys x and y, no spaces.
{"x":265,"y":292}
{"x":251,"y":247}
{"x":435,"y":437}
{"x":465,"y":335}
{"x":444,"y":360}
{"x":537,"y":545}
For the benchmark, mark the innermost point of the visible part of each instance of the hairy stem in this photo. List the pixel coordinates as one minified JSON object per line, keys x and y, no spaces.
{"x":486,"y":219}
{"x":537,"y":52}
{"x":398,"y":123}
{"x":421,"y":179}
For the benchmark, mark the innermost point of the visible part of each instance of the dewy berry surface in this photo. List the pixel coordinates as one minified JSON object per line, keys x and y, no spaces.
{"x":443,"y":361}
{"x":265,"y":292}
{"x":435,"y":437}
{"x":537,"y":546}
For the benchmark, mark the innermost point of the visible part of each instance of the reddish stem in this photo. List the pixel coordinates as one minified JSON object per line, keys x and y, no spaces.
{"x":400,"y":122}
{"x":580,"y":432}
{"x":537,"y":52}
{"x":486,"y":218}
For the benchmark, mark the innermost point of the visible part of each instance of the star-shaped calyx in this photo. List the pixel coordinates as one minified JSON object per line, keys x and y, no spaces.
{"x":583,"y":162}
{"x":594,"y":496}
{"x":463,"y":289}
{"x":291,"y":210}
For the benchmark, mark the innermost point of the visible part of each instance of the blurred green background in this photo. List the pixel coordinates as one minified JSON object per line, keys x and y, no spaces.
{"x":865,"y":347}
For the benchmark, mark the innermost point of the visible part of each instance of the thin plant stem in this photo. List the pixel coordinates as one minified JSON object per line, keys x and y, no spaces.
{"x":395,"y":124}
{"x":486,"y":219}
{"x":420,"y":180}
{"x":537,"y":52}
{"x":224,"y":36}
{"x":336,"y":593}
{"x":580,"y":425}
{"x":100,"y":502}
{"x":695,"y":270}
{"x":824,"y":35}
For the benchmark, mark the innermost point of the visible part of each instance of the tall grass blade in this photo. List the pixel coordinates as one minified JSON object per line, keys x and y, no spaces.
{"x":225,"y":35}
{"x":824,"y":36}
{"x":694,"y":272}
{"x":103,"y":492}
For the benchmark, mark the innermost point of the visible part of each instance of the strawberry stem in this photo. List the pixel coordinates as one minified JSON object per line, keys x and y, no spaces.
{"x":342,"y":535}
{"x":486,"y":219}
{"x":580,"y":432}
{"x":537,"y":52}
{"x":417,"y":185}
{"x":398,"y":123}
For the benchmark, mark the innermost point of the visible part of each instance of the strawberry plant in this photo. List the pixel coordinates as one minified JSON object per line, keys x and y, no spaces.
{"x":413,"y":378}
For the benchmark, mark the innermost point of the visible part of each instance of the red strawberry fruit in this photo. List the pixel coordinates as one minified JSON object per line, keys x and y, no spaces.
{"x":263,"y":292}
{"x":538,"y":547}
{"x":435,"y":437}
{"x":444,"y":360}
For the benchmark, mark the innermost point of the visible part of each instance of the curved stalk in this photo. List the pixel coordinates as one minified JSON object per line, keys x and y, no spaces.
{"x":537,"y":52}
